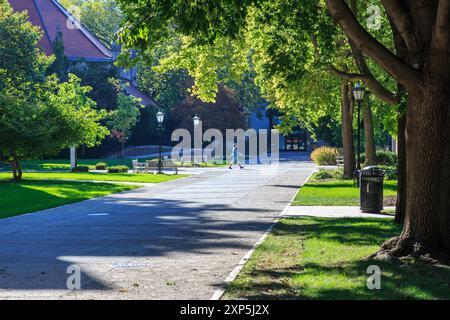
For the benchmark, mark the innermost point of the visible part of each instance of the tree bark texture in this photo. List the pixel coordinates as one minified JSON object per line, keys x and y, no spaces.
{"x":348,"y":142}
{"x":369,"y":137}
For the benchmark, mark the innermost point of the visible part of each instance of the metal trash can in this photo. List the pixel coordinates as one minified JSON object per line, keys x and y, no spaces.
{"x":371,"y":189}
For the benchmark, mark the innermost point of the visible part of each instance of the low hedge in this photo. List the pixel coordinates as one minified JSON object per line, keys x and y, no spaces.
{"x":81,"y":169}
{"x":101,"y":166}
{"x":118,"y":169}
{"x":329,"y":175}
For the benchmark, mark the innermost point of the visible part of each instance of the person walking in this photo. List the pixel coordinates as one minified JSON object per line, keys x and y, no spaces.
{"x":235,"y":157}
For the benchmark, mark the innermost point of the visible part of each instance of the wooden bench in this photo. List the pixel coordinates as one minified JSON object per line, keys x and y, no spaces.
{"x":153,"y":165}
{"x":168,"y":164}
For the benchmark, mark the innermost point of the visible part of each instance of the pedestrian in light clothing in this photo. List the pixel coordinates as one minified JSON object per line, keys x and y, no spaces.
{"x":235,"y":157}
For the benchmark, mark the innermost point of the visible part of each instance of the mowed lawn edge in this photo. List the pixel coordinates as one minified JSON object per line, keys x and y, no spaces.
{"x":110,"y":177}
{"x":335,"y":193}
{"x":323,"y":258}
{"x":30,"y":196}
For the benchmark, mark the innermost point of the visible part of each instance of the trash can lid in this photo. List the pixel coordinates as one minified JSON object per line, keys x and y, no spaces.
{"x":373,"y":171}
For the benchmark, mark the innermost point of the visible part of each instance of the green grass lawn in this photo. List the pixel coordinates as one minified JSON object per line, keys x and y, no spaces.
{"x":30,"y":196}
{"x":335,"y":193}
{"x":318,"y":258}
{"x":119,"y":177}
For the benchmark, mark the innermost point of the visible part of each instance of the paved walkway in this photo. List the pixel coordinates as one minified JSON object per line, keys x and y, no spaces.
{"x":331,"y":212}
{"x":176,"y":240}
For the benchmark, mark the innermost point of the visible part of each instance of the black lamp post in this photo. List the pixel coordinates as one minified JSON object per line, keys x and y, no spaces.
{"x":160,"y":119}
{"x":196,"y":121}
{"x":358,"y":94}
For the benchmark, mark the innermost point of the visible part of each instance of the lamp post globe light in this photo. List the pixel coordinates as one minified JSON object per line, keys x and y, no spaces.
{"x":160,"y":119}
{"x":196,"y":121}
{"x":358,"y":94}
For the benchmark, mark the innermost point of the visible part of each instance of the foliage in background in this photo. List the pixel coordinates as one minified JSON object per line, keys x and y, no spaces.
{"x":384,"y":158}
{"x":224,"y":113}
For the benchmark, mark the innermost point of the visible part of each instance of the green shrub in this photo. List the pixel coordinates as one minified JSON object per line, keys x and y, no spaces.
{"x":323,"y":175}
{"x":325,"y":156}
{"x":101,"y":166}
{"x":118,"y":169}
{"x":391,"y":172}
{"x":81,"y":169}
{"x":384,"y":158}
{"x":329,"y":175}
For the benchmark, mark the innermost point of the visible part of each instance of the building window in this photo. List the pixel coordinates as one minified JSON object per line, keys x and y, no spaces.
{"x":296,"y":141}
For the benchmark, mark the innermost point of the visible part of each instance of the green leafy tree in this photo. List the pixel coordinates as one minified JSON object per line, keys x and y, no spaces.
{"x":42,"y":122}
{"x":38,"y":115}
{"x":415,"y":59}
{"x":124,"y":118}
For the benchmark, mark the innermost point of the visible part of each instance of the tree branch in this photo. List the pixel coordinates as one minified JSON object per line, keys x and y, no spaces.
{"x":399,"y":16}
{"x":397,"y":68}
{"x":442,"y":26}
{"x":372,"y":83}
{"x":346,"y":75}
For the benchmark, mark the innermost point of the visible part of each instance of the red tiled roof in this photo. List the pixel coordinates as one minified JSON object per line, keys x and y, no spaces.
{"x":33,"y":13}
{"x":79,"y":43}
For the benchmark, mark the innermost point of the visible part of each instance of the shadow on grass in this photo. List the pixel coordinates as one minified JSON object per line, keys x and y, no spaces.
{"x":288,"y":266}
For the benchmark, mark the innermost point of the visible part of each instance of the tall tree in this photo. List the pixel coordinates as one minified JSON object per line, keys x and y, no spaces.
{"x":348,"y":142}
{"x":423,"y":71}
{"x":369,"y":136}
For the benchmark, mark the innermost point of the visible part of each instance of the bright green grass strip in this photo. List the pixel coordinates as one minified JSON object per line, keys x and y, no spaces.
{"x":318,"y":258}
{"x":335,"y":193}
{"x":119,"y":177}
{"x":31,"y":196}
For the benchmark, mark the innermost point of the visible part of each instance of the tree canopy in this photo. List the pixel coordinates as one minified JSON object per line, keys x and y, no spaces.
{"x":39,"y":116}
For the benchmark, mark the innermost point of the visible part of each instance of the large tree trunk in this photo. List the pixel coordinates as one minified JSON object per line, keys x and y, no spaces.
{"x":13,"y":169}
{"x":401,"y":169}
{"x":16,"y":168}
{"x":427,"y":214}
{"x":369,"y":137}
{"x":348,"y":142}
{"x":424,"y":71}
{"x":19,"y":170}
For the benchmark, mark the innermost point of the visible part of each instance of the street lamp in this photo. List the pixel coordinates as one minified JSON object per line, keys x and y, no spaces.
{"x":160,"y":119}
{"x":196,"y":121}
{"x":358,"y":94}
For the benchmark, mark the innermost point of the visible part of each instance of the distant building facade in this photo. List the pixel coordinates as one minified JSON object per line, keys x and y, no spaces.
{"x":296,"y":141}
{"x":79,"y":43}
